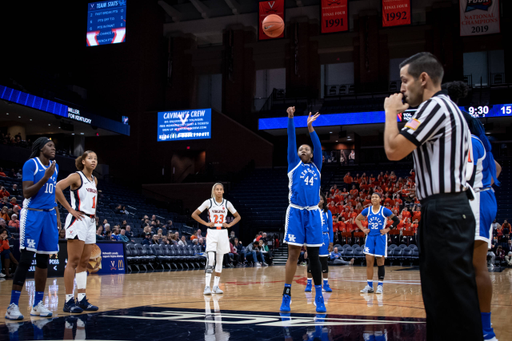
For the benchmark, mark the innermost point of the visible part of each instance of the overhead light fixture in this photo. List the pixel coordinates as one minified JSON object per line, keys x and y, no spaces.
{"x":49,"y":124}
{"x":19,"y":116}
{"x":336,"y":140}
{"x":81,"y":133}
{"x":7,"y":113}
{"x":72,"y":133}
{"x":31,"y":119}
{"x":330,"y":132}
{"x":59,"y":127}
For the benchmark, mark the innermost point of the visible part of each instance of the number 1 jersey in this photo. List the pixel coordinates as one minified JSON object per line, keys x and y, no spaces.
{"x":84,"y":198}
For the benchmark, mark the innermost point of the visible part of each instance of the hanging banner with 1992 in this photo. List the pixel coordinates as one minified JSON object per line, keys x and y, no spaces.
{"x":479,"y":17}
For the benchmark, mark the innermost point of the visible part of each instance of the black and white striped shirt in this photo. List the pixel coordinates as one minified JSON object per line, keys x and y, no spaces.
{"x":443,"y":141}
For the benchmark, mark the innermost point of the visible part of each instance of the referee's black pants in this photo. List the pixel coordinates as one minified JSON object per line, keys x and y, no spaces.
{"x":446,"y":236}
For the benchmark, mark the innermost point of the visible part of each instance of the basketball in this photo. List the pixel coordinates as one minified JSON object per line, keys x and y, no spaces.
{"x":273,"y":25}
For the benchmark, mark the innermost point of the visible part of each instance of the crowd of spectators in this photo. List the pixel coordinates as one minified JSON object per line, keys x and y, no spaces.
{"x":15,"y":140}
{"x":349,"y":199}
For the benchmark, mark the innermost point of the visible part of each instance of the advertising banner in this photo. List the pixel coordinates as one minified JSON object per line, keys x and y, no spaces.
{"x":184,"y":125}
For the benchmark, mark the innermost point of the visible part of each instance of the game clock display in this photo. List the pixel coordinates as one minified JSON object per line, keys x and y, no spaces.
{"x":106,"y":22}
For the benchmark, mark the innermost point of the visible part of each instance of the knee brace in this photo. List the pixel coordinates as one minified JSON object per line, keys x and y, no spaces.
{"x":42,"y":261}
{"x":381,"y":272}
{"x":325,"y":267}
{"x":210,"y":261}
{"x":24,"y":264}
{"x":316,"y":266}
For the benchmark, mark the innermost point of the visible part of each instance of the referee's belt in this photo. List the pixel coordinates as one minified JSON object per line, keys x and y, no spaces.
{"x":41,"y":209}
{"x":308,"y":208}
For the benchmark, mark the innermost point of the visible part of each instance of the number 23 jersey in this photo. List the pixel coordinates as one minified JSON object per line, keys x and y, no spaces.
{"x":217,"y":212}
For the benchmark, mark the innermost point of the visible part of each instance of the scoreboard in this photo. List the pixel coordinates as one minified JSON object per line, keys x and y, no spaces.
{"x":106,"y":22}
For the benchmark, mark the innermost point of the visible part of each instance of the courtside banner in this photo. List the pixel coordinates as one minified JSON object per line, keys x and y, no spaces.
{"x":266,"y":8}
{"x":334,"y":16}
{"x":396,"y":13}
{"x":479,"y":17}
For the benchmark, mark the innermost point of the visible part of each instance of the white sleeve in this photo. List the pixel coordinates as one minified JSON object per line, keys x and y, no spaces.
{"x":204,"y":205}
{"x":231,"y":208}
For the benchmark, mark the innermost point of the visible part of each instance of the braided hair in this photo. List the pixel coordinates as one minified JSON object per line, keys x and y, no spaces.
{"x":38,"y":145}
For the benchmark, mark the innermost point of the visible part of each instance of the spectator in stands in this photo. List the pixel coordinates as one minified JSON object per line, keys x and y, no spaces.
{"x":147,"y":239}
{"x":15,"y":190}
{"x":240,"y":250}
{"x":183,"y":241}
{"x":506,"y":230}
{"x":19,"y":174}
{"x":3,"y":224}
{"x":252,"y":250}
{"x":124,"y":210}
{"x":495,"y":225}
{"x":508,"y":248}
{"x":336,"y":258}
{"x":147,"y":230}
{"x":14,"y":203}
{"x":143,"y":220}
{"x":129,"y":232}
{"x":99,"y":233}
{"x":201,"y":243}
{"x":232,"y":235}
{"x":164,"y":240}
{"x":2,"y":173}
{"x":4,"y":192}
{"x":155,"y":240}
{"x":197,"y":235}
{"x":508,"y":259}
{"x":14,"y":223}
{"x":115,"y":235}
{"x":153,"y":218}
{"x":169,"y":224}
{"x":347,"y":179}
{"x":500,"y":253}
{"x":123,"y":237}
{"x":106,"y":229}
{"x":62,"y":233}
{"x":123,"y":224}
{"x":343,"y":158}
{"x":108,"y":235}
{"x":118,"y":209}
{"x":4,"y":214}
{"x":174,"y":239}
{"x":5,"y":252}
{"x":177,"y":236}
{"x":267,"y":254}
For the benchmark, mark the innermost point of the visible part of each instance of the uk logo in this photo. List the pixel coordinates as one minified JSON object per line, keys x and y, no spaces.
{"x":291,"y":238}
{"x":31,"y":243}
{"x":366,"y":249}
{"x":478,"y":4}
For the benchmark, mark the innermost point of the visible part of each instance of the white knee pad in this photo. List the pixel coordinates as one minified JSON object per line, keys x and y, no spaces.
{"x":210,"y":256}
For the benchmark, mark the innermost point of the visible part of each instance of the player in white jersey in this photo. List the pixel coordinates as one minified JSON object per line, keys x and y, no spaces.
{"x":217,"y":241}
{"x":80,"y":228}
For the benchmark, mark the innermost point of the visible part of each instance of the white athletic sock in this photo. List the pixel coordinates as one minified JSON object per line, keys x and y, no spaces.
{"x":208,"y":277}
{"x":69,"y":296}
{"x":80,"y":296}
{"x":216,"y":281}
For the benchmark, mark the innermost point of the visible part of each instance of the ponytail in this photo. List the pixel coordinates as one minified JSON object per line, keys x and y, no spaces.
{"x":78,"y":162}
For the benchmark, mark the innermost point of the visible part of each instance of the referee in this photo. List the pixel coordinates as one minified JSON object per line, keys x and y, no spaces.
{"x":439,"y":139}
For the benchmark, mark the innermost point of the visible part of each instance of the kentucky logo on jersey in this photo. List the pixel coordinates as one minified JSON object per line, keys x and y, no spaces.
{"x":374,"y":223}
{"x":291,"y":238}
{"x":309,"y":176}
{"x":478,"y":4}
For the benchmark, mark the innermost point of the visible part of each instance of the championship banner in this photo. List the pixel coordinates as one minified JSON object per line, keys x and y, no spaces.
{"x":396,"y":12}
{"x":334,"y":16}
{"x":266,"y":8}
{"x":479,"y":17}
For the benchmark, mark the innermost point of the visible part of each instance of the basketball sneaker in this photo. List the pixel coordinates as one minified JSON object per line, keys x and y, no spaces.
{"x":13,"y":312}
{"x":85,"y":305}
{"x":40,"y":310}
{"x":379,"y":289}
{"x":489,"y":335}
{"x":309,"y":287}
{"x":285,"y":305}
{"x":367,"y":289}
{"x":207,"y":290}
{"x":326,"y":288}
{"x":71,"y":307}
{"x":320,"y":305}
{"x":216,"y":290}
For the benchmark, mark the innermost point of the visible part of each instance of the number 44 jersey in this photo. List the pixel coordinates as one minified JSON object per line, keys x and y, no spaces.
{"x":217,"y":212}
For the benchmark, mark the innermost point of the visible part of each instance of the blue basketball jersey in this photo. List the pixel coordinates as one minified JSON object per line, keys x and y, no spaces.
{"x":376,"y":221}
{"x":481,"y":178}
{"x":304,"y":178}
{"x":33,"y":170}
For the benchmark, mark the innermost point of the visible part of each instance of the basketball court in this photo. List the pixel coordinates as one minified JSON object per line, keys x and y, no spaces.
{"x":170,"y":306}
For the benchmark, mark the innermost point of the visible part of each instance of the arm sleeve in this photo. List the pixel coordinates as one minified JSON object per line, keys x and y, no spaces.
{"x":396,"y":221}
{"x":293,"y":158}
{"x":427,"y":122}
{"x":329,"y":222}
{"x":317,"y":150}
{"x":231,"y":208}
{"x":204,"y":206}
{"x":28,"y":170}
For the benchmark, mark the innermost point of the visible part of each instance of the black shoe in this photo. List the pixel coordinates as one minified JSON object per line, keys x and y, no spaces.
{"x":85,"y":305}
{"x":71,"y":307}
